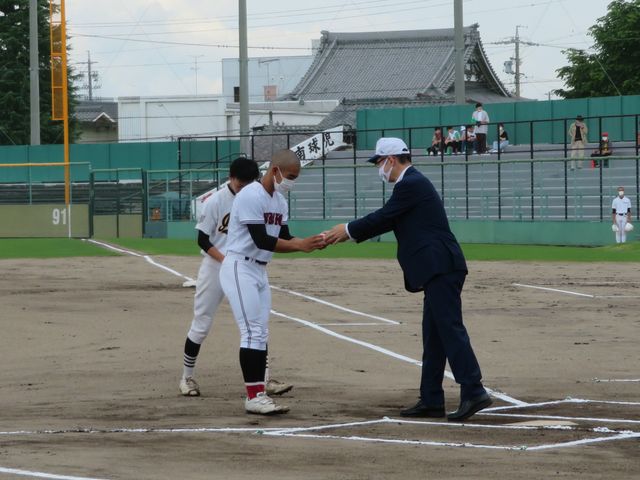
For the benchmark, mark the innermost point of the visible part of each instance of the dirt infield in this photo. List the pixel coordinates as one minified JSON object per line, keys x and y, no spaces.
{"x":92,"y":350}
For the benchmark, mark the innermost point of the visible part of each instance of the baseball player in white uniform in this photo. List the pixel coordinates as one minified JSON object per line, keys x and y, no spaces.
{"x":621,"y":216}
{"x":212,"y":230}
{"x":257,"y":228}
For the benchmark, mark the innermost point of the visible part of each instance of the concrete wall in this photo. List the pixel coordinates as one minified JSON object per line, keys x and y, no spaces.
{"x":50,"y":220}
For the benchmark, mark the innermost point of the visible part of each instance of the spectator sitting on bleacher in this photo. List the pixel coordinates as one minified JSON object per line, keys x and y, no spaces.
{"x":469,"y":139}
{"x":504,"y":140}
{"x":452,"y":141}
{"x":436,"y":142}
{"x":604,"y":150}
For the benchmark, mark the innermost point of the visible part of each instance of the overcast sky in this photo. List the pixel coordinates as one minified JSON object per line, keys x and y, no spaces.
{"x":134,"y":61}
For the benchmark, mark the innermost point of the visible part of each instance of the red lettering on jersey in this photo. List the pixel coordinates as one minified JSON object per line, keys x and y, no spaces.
{"x":273,"y":218}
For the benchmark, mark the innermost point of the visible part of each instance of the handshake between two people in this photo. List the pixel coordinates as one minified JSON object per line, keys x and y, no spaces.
{"x":332,"y":236}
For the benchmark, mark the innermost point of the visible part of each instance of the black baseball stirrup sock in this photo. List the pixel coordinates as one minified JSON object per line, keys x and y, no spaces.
{"x":191,"y":350}
{"x":253,"y":363}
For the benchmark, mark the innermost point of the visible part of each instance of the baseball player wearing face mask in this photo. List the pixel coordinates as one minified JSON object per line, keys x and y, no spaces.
{"x":621,"y":216}
{"x":212,"y":230}
{"x":257,"y":228}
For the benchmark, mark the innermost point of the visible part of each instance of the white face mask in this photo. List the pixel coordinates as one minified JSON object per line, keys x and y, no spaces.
{"x":284,"y":186}
{"x":384,"y":176}
{"x":621,"y":193}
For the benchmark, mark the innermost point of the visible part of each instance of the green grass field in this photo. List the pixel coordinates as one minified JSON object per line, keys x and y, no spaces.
{"x":49,"y":248}
{"x":56,"y":248}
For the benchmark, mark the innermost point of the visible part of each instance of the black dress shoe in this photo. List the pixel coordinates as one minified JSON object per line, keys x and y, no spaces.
{"x":470,"y":407}
{"x":422,"y":410}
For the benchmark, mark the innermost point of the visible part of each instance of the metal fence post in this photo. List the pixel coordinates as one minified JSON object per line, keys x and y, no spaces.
{"x":532,"y":189}
{"x":531,"y":140}
{"x":564,"y":136}
{"x":118,"y":204}
{"x":145,"y":203}
{"x":566,"y":192}
{"x":91,"y":202}
{"x":355,"y":182}
{"x":499,"y":191}
{"x":600,"y":163}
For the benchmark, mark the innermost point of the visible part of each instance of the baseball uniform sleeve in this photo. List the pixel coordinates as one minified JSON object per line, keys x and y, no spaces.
{"x":249,"y":208}
{"x":207,"y":222}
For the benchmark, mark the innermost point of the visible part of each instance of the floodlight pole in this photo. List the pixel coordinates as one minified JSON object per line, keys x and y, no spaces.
{"x":244,"y":78}
{"x":459,"y":49}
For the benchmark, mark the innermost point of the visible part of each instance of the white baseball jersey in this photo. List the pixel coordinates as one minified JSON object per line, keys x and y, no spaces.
{"x":214,"y":219}
{"x":253,"y":205}
{"x":621,"y":205}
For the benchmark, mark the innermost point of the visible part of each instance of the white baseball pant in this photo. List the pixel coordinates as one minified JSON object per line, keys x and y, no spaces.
{"x":246,"y":285}
{"x":207,"y":298}
{"x":621,"y":221}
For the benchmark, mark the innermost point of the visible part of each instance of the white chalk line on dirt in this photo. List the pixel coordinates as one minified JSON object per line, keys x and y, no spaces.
{"x":605,"y":380}
{"x":612,"y":435}
{"x":304,"y":432}
{"x":559,"y":417}
{"x":569,"y":292}
{"x":385,"y":351}
{"x":284,"y":290}
{"x":559,"y":402}
{"x":557,"y":290}
{"x":496,"y":394}
{"x":333,"y":305}
{"x":32,"y":474}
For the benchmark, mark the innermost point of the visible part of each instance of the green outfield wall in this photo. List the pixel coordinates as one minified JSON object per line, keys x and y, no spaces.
{"x":466,"y":231}
{"x":46,"y":220}
{"x":549,"y":116}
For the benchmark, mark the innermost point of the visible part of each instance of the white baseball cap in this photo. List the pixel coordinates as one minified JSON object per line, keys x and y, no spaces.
{"x":387,"y":146}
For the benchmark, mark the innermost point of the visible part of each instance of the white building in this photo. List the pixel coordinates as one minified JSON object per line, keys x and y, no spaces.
{"x":163,"y":118}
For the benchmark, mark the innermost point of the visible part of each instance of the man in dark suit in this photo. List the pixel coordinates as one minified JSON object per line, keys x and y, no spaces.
{"x":432,"y":261}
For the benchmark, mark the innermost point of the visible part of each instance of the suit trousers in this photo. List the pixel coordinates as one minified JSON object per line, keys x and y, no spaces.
{"x":444,"y":337}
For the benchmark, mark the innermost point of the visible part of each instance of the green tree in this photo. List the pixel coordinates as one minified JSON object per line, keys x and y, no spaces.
{"x":15,"y":123}
{"x":614,"y":66}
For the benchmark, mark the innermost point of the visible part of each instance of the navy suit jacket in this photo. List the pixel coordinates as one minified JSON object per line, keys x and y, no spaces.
{"x":415,"y":213}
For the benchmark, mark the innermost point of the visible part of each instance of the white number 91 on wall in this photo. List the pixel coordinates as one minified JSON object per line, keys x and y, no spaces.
{"x":59,"y":216}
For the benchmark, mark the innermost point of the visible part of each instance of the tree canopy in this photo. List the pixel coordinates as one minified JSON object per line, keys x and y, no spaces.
{"x":612,"y":66}
{"x":15,"y":119}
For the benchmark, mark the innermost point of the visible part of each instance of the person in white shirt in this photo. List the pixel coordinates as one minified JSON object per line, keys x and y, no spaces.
{"x":258,"y":226}
{"x":481,"y":119}
{"x":621,"y":216}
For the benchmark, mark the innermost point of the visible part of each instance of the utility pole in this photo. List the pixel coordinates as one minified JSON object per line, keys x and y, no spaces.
{"x":34,"y":72}
{"x":195,"y":68}
{"x":517,"y":41}
{"x":244,"y":78}
{"x":91,"y":76}
{"x":459,"y":49}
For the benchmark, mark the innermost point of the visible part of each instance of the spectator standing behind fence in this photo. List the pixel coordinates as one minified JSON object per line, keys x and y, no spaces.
{"x":481,"y":119}
{"x":578,"y":133}
{"x":436,"y":142}
{"x":469,"y":139}
{"x":504,"y":139}
{"x":452,"y":141}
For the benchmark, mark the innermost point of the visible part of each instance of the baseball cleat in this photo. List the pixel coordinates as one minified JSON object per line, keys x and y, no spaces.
{"x":189,"y":387}
{"x":274,"y":387}
{"x":262,"y":404}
